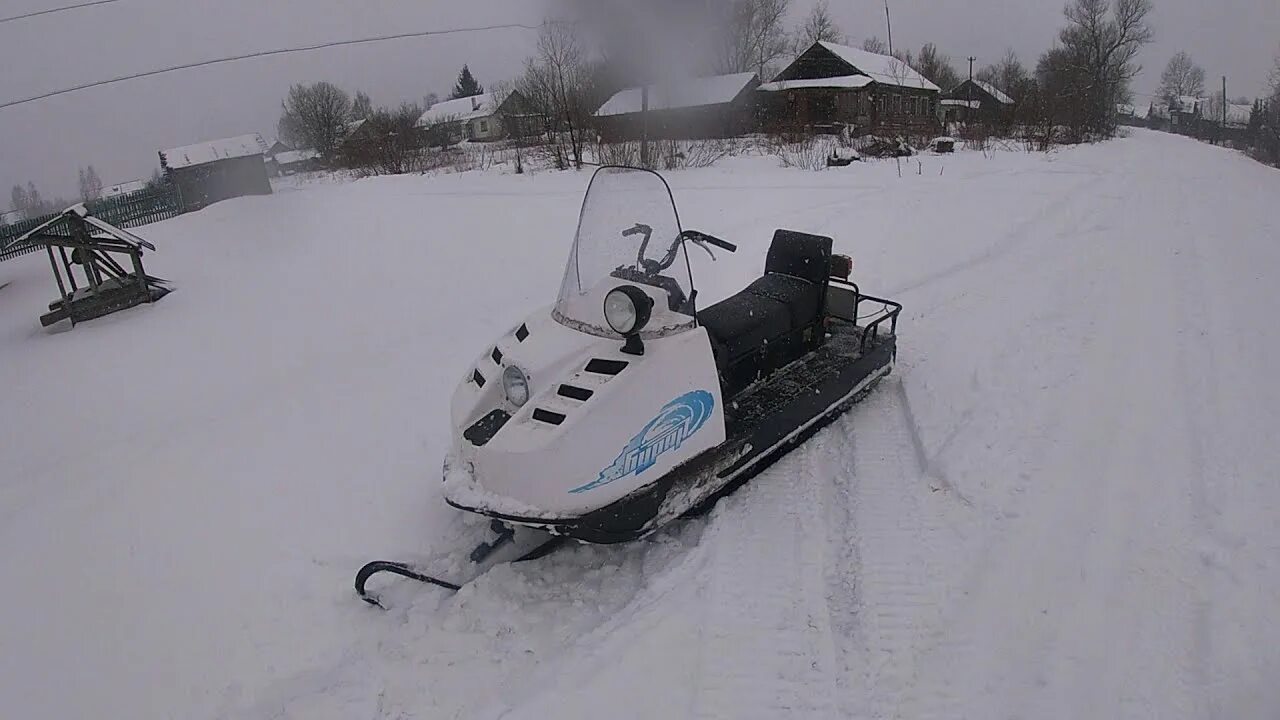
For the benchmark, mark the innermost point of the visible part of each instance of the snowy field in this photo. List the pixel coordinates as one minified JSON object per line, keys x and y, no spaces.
{"x":1064,"y":504}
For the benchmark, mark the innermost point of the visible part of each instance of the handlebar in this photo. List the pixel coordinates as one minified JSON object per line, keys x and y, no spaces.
{"x":695,"y":236}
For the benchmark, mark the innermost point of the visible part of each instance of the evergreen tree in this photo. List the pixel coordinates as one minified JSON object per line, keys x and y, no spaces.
{"x":466,"y":86}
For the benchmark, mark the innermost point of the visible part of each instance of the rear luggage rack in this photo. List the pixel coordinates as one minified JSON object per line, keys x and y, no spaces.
{"x":871,"y":330}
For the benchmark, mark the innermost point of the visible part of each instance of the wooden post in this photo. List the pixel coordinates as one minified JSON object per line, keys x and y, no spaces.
{"x":136,"y":257}
{"x":644,"y":124}
{"x":62,"y":289}
{"x":888,"y":21}
{"x":66,"y":263}
{"x":1223,"y":133}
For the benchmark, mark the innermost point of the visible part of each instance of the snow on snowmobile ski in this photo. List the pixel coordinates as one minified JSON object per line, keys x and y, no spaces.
{"x":623,"y":407}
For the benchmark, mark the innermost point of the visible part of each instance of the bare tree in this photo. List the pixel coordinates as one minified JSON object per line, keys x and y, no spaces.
{"x":819,"y":26}
{"x":389,"y":145}
{"x":361,"y":107}
{"x":557,"y":83}
{"x":1275,"y":76}
{"x":19,"y":201}
{"x":314,"y":116}
{"x":936,"y":67}
{"x":753,"y":35}
{"x":1008,"y":75}
{"x":90,"y":184}
{"x":875,"y":45}
{"x":1181,"y":77}
{"x":1095,"y":61}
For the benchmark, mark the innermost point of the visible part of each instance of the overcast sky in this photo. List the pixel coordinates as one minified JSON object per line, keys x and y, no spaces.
{"x":119,"y":128}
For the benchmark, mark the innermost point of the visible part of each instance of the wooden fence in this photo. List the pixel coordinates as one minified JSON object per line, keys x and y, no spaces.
{"x":131,"y":210}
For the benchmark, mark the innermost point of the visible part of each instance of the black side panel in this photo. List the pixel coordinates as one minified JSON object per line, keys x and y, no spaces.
{"x":483,"y":430}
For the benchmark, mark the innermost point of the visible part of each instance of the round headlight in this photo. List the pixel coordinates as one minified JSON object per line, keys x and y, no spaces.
{"x":627,"y":309}
{"x":516,"y":385}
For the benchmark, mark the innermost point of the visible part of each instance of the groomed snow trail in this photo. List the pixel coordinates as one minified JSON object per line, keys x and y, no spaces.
{"x":1062,"y":504}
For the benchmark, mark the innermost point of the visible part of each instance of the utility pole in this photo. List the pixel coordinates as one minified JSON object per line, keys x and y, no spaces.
{"x":888,"y":22}
{"x":644,"y":124}
{"x":1224,"y":106}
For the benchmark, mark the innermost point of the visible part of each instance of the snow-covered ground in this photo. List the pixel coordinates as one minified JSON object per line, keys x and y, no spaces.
{"x":1063,"y":504}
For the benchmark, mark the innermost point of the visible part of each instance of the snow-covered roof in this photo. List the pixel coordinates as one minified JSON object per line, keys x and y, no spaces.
{"x":467,"y":108}
{"x":843,"y":81}
{"x":288,"y":157}
{"x":995,"y":92}
{"x":80,"y":211}
{"x":884,"y":69}
{"x":1238,"y":114}
{"x":214,"y":150}
{"x":1189,"y":104}
{"x":354,"y":125}
{"x":689,"y":92}
{"x":971,"y":104}
{"x":124,"y":188}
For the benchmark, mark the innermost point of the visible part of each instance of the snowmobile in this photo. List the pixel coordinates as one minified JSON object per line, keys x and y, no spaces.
{"x":623,"y":406}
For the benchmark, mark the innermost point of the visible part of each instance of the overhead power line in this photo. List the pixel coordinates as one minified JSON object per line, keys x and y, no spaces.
{"x":56,"y":10}
{"x":266,"y":53}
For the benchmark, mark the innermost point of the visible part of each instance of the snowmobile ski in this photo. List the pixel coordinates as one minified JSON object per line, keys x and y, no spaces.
{"x":481,"y":556}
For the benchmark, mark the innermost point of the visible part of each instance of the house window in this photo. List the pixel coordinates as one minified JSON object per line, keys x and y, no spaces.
{"x":484,"y":126}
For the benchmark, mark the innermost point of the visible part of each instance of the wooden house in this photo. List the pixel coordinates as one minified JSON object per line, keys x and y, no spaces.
{"x":975,"y":101}
{"x":835,"y":88}
{"x":480,"y":118}
{"x":216,"y":170}
{"x":706,"y":107}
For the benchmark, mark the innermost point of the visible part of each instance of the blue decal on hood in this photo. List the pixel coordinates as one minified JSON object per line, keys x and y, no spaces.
{"x":677,"y":422}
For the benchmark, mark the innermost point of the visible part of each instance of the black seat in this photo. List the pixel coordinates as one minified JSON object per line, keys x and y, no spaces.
{"x":761,"y":325}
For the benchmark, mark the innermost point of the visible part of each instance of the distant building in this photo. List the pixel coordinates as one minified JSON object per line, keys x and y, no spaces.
{"x":123,"y":188}
{"x":834,"y":87}
{"x":216,"y":170}
{"x":276,"y":148}
{"x":706,"y":107}
{"x":1186,"y":112}
{"x":977,"y":101}
{"x":291,"y":162}
{"x":480,"y":118}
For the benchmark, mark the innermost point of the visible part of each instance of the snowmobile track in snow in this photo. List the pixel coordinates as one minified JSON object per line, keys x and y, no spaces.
{"x":895,"y":532}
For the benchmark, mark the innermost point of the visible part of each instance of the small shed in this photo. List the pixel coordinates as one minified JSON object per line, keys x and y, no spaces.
{"x":217,"y":170}
{"x":832,"y":87}
{"x":706,"y":107}
{"x":977,"y":101}
{"x":291,"y":162}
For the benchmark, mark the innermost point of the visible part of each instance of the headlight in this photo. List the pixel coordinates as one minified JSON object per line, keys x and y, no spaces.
{"x":516,"y":385}
{"x":627,"y":309}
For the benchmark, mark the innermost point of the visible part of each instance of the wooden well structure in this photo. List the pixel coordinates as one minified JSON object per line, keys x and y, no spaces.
{"x":109,"y":261}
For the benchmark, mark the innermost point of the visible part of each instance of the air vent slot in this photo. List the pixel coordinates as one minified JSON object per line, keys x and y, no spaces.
{"x":477,"y":378}
{"x":496,"y":355}
{"x":546,"y":416}
{"x":574,"y":392}
{"x":486,"y":427}
{"x":522,"y":332}
{"x":606,"y":367}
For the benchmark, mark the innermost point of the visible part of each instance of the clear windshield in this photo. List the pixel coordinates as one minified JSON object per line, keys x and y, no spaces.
{"x":628,"y":233}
